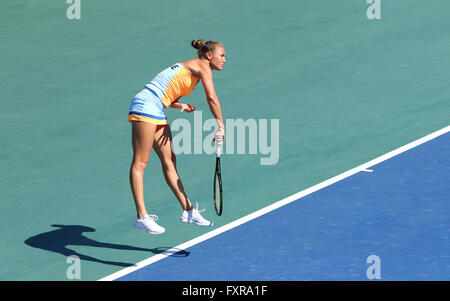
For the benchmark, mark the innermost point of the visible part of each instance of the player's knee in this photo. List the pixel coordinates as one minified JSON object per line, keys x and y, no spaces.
{"x":139,"y":164}
{"x":169,"y":165}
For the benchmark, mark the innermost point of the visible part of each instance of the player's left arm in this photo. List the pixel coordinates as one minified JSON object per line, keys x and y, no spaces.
{"x":184,"y":107}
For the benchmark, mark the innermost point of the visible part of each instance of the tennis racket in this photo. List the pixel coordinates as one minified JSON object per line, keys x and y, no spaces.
{"x":218,"y":195}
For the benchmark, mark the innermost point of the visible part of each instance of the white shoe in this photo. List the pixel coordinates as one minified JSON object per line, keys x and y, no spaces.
{"x":194,"y":217}
{"x":148,"y":224}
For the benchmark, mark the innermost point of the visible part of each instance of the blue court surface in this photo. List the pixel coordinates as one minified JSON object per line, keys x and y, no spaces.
{"x":397,"y":210}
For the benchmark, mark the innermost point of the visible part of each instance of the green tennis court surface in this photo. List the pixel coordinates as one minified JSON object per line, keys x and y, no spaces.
{"x":344,"y":88}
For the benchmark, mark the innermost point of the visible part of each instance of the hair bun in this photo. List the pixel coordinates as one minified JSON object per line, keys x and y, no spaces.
{"x":197,"y":44}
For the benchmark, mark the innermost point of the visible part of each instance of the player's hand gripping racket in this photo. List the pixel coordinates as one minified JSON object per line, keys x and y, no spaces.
{"x":218,"y":196}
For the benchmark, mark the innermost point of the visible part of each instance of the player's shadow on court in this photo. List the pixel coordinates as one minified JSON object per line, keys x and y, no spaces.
{"x":72,"y":235}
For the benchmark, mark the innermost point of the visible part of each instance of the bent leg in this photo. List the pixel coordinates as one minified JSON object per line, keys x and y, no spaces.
{"x":142,"y":140}
{"x":163,"y":148}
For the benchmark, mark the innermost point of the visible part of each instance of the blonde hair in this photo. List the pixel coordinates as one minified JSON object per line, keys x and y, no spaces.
{"x":203,"y":47}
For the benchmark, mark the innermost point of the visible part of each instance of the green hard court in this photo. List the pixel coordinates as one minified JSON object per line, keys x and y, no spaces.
{"x":345,"y":89}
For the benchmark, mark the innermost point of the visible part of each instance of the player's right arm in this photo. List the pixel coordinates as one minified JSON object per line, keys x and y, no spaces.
{"x":206,"y":77}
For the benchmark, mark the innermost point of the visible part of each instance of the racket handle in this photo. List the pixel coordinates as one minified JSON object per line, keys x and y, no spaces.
{"x":218,"y":150}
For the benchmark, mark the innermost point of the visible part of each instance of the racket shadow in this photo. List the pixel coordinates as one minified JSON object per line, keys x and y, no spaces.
{"x":58,"y":240}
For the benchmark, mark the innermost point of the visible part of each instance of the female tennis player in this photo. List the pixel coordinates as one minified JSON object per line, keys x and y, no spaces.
{"x":150,"y":128}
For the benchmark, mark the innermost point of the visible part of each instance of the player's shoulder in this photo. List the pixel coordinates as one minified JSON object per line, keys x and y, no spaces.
{"x":197,"y":67}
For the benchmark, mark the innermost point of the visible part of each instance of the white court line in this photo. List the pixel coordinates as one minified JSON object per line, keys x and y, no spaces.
{"x":274,"y":206}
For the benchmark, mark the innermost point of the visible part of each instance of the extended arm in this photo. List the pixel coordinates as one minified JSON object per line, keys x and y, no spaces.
{"x":211,"y":97}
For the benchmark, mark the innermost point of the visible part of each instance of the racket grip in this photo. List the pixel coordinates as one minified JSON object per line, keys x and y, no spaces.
{"x":218,"y":150}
